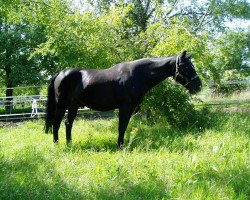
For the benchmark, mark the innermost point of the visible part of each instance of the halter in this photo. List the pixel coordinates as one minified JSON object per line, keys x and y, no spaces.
{"x":177,"y":73}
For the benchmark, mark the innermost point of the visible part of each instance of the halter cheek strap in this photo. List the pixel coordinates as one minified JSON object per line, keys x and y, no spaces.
{"x":177,"y":73}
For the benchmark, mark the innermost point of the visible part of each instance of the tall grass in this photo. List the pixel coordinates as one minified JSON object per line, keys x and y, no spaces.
{"x":158,"y":162}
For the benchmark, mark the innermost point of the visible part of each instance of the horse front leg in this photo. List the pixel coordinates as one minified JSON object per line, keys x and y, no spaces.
{"x":69,"y":123}
{"x":125,"y":113}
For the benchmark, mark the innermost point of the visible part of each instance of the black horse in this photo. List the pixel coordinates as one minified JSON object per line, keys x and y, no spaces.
{"x":121,"y":86}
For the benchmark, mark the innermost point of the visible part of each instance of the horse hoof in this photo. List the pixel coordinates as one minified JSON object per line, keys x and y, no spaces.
{"x":69,"y":143}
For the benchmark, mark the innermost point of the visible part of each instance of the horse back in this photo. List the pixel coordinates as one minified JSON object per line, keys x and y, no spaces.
{"x":102,"y":89}
{"x":95,"y":89}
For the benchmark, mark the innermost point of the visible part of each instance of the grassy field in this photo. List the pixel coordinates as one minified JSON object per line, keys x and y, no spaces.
{"x":158,"y":162}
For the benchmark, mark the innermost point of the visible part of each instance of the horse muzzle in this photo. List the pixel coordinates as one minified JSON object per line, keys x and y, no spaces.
{"x":194,"y":86}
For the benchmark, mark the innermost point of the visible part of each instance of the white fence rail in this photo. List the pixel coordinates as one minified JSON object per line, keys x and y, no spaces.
{"x":22,"y":107}
{"x":26,"y":107}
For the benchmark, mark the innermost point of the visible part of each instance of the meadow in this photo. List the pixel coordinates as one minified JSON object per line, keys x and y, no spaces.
{"x":158,"y":161}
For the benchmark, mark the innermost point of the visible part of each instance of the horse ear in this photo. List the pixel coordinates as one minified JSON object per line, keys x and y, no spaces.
{"x":183,"y":55}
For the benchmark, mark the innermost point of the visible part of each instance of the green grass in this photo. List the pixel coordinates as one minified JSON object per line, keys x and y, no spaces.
{"x":158,"y":162}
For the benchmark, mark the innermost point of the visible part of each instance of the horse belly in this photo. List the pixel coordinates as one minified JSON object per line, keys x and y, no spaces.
{"x":102,"y":99}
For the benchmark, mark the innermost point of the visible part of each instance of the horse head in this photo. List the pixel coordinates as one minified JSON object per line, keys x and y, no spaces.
{"x":185,"y":73}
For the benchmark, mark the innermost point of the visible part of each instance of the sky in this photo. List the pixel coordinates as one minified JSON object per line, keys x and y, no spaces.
{"x":236,"y":23}
{"x":245,"y":24}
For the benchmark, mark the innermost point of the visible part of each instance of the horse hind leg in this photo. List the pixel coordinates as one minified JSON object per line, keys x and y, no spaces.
{"x":72,"y":112}
{"x":57,"y":121}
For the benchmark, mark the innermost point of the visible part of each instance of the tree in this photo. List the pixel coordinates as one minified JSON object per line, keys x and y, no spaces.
{"x":18,"y":39}
{"x":16,"y":43}
{"x":52,"y":35}
{"x":227,"y":56}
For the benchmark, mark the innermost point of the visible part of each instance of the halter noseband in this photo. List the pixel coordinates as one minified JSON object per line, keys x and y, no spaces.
{"x":177,"y":73}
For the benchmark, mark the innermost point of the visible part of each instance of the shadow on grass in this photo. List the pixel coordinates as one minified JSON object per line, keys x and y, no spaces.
{"x":143,"y":134}
{"x":207,"y":184}
{"x":140,"y":134}
{"x":93,"y":146}
{"x":158,"y":134}
{"x":30,"y":176}
{"x":153,"y":189}
{"x":235,"y":179}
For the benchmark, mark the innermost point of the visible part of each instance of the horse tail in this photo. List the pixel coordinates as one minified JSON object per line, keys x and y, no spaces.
{"x":50,"y":107}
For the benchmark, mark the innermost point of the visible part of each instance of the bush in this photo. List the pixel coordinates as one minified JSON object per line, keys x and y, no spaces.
{"x":231,"y":82}
{"x":229,"y":88}
{"x":173,"y":102}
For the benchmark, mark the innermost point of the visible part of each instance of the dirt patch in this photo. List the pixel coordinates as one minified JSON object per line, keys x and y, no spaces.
{"x":236,"y":109}
{"x":4,"y":124}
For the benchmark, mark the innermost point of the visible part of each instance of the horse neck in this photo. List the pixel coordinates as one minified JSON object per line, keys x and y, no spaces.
{"x":161,"y":69}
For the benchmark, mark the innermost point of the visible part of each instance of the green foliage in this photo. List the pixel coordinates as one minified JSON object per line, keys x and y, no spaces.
{"x":17,"y":42}
{"x":18,"y":39}
{"x":173,"y":102}
{"x":46,"y":36}
{"x":210,"y":15}
{"x":231,"y":50}
{"x":158,"y":162}
{"x":89,"y":40}
{"x":225,"y":60}
{"x":174,"y":38}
